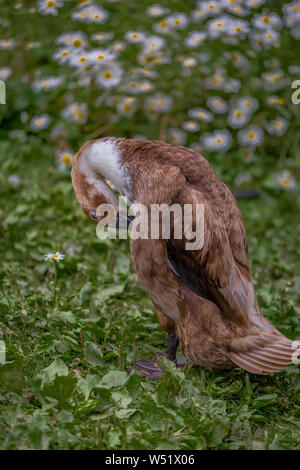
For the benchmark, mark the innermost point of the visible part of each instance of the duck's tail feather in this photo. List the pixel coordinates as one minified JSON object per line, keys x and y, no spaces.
{"x":264,"y":354}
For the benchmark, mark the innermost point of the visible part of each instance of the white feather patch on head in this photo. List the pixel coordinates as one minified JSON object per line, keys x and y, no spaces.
{"x":104,"y":158}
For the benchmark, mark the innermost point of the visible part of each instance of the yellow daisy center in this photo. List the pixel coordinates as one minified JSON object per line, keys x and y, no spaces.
{"x":251,"y":135}
{"x":107,"y":75}
{"x":285,"y":182}
{"x":79,"y":115}
{"x":77,"y":42}
{"x":65,"y":158}
{"x":238,"y":114}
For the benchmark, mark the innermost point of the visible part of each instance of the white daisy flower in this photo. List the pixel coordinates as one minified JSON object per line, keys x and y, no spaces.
{"x":254,"y":3}
{"x":14,"y":180}
{"x":39,"y":123}
{"x":118,"y":46}
{"x":270,"y":37}
{"x":219,"y":140}
{"x":278,"y":126}
{"x":189,"y":62}
{"x":49,"y":7}
{"x":217,"y":104}
{"x":265,"y":21}
{"x":231,"y":85}
{"x":274,"y":80}
{"x":162,"y":27}
{"x":159,"y":103}
{"x":201,"y":114}
{"x":199,"y":14}
{"x":291,"y":8}
{"x":135,"y":87}
{"x":79,"y":59}
{"x":286,"y":180}
{"x":76,"y":113}
{"x":274,"y":100}
{"x":127,"y":105}
{"x":76,"y":40}
{"x":153,"y":43}
{"x":91,"y":14}
{"x":294,"y":69}
{"x":177,"y":21}
{"x":64,"y":159}
{"x":46,"y":83}
{"x":238,"y":28}
{"x":251,"y":136}
{"x":155,"y":11}
{"x":5,"y":73}
{"x":237,"y":118}
{"x":218,"y":26}
{"x":62,"y":55}
{"x":248,"y":104}
{"x":7,"y":44}
{"x":237,"y":9}
{"x":195,"y":39}
{"x":101,"y":56}
{"x":102,"y":37}
{"x":110,"y":76}
{"x":134,"y":36}
{"x":211,"y":7}
{"x":190,"y":126}
{"x":55,"y":256}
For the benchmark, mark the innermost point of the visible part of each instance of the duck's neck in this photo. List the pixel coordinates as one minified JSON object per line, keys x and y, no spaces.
{"x":104,"y":158}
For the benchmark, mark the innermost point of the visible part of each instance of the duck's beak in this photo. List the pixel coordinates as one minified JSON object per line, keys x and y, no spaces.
{"x":93,"y":215}
{"x":123,"y":220}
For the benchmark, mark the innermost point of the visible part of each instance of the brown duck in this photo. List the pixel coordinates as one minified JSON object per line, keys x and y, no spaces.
{"x":204,"y":298}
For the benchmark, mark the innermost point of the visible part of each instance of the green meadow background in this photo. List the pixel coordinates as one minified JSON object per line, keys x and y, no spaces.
{"x":65,"y":383}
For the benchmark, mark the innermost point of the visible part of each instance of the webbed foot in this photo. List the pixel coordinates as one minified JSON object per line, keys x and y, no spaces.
{"x":150,"y":369}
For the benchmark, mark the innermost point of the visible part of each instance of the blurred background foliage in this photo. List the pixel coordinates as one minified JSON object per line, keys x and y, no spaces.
{"x":213,"y":75}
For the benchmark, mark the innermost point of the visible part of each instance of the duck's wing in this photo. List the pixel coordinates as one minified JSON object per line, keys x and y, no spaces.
{"x":221,"y":263}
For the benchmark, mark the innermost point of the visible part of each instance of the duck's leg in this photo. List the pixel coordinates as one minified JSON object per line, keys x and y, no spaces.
{"x":172,"y":344}
{"x":150,"y":369}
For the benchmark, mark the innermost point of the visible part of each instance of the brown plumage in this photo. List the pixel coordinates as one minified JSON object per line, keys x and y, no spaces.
{"x":205,"y":297}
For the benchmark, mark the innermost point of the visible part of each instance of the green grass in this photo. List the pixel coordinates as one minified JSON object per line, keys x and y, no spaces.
{"x":65,"y":384}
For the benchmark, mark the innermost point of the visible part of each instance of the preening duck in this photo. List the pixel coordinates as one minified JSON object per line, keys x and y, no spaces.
{"x":204,"y":298}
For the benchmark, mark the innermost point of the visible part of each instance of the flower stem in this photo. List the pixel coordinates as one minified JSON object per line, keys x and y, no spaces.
{"x":55,"y":281}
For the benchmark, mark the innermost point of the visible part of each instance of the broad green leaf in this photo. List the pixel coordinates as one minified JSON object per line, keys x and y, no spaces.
{"x":114,"y":379}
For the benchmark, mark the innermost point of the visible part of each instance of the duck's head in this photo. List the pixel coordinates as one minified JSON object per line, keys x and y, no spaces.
{"x":94,"y":162}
